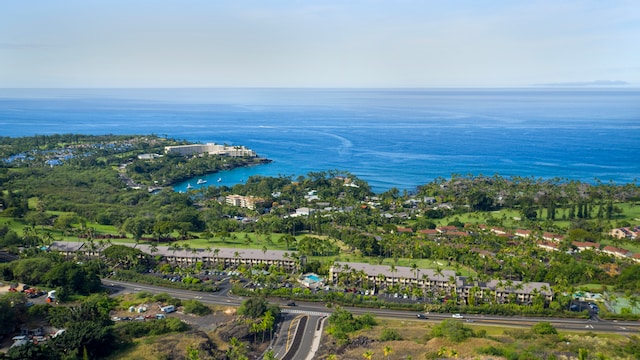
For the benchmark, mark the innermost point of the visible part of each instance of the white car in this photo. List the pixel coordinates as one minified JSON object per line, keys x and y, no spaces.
{"x":457,"y":316}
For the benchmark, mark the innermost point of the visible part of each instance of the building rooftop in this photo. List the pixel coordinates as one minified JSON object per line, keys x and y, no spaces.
{"x":401,"y":271}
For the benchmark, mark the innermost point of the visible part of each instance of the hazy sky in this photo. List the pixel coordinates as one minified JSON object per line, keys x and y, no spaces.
{"x":309,"y":43}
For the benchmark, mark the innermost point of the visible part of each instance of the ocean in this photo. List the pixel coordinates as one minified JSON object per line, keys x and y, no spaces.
{"x":392,"y":138}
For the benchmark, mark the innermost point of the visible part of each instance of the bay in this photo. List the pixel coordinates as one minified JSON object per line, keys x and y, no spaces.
{"x":398,"y":138}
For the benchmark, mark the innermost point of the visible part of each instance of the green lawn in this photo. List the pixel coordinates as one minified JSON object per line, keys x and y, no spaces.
{"x":12,"y":224}
{"x":631,"y":212}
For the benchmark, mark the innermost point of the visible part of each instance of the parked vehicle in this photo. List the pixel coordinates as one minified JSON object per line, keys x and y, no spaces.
{"x":168,"y":309}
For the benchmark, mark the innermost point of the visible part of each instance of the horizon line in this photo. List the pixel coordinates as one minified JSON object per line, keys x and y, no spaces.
{"x":531,"y":86}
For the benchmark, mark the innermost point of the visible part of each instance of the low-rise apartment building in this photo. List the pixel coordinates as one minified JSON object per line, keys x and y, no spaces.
{"x":228,"y":257}
{"x":444,"y":281}
{"x":248,"y":202}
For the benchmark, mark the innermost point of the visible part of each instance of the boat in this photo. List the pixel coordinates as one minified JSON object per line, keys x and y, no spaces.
{"x":189,"y":186}
{"x":201,"y":181}
{"x":219,"y":179}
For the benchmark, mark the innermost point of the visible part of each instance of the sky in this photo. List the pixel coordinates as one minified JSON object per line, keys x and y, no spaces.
{"x":316,"y":43}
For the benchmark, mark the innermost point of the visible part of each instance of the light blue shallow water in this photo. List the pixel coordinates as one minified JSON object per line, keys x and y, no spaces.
{"x":313,"y":278}
{"x":390,"y":138}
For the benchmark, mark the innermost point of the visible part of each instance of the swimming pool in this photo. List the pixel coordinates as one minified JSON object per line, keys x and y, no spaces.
{"x":313,"y":278}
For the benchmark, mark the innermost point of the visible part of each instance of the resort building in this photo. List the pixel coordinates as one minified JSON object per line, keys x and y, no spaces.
{"x":552,"y":237}
{"x":211,"y":149}
{"x":428,"y":232}
{"x":631,"y":232}
{"x":522,"y":292}
{"x":227,"y":257}
{"x":248,"y":202}
{"x":548,"y":246}
{"x":444,"y":282}
{"x":585,"y":245}
{"x":502,"y":291}
{"x":385,"y":276}
{"x":523,"y":233}
{"x":616,"y":252}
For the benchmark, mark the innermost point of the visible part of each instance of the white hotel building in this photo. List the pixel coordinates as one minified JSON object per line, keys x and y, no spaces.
{"x":211,"y":149}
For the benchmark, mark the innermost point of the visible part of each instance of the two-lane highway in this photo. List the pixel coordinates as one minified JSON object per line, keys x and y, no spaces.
{"x":319,"y":310}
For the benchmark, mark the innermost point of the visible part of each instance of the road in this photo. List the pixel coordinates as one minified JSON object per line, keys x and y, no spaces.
{"x":316,"y":311}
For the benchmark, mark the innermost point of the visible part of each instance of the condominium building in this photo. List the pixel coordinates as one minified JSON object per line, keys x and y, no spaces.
{"x":444,"y":281}
{"x":248,"y":202}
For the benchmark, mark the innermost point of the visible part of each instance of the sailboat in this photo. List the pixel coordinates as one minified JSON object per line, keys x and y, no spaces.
{"x":189,"y":186}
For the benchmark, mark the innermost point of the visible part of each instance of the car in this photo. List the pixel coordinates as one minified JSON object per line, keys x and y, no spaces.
{"x":421,"y":316}
{"x":457,"y":316}
{"x":291,"y":303}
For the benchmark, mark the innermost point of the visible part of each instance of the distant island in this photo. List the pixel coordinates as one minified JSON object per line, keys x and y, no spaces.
{"x":587,"y":83}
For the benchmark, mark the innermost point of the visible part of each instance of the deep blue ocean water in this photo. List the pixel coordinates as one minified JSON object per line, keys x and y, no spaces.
{"x":390,"y":138}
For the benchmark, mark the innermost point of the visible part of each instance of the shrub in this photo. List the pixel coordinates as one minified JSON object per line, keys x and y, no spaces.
{"x":490,"y":350}
{"x":143,"y":295}
{"x":452,"y":330}
{"x":543,"y":328}
{"x":390,"y":335}
{"x":196,"y":307}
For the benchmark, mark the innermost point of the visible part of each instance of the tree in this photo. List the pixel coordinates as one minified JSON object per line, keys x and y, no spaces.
{"x":136,"y":226}
{"x":268,"y":322}
{"x":86,"y":327}
{"x":73,"y":278}
{"x":12,"y":309}
{"x":253,"y":307}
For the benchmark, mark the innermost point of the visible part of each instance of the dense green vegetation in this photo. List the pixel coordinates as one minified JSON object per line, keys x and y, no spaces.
{"x":93,"y":189}
{"x":342,"y":323}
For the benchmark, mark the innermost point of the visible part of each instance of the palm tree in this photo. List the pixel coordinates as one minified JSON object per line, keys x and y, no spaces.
{"x":633,"y":301}
{"x":174,"y":247}
{"x":583,"y":354}
{"x":153,"y":248}
{"x":392,"y":269}
{"x":269,"y":355}
{"x":186,"y":247}
{"x":438,"y":271}
{"x":387,"y":351}
{"x":415,"y":269}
